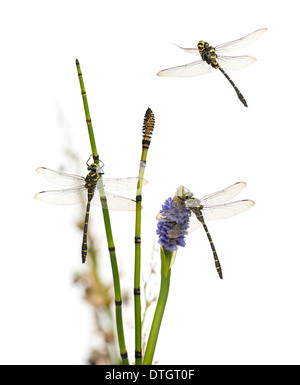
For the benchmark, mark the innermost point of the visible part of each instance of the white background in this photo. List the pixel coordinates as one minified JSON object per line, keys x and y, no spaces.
{"x":204,"y":139}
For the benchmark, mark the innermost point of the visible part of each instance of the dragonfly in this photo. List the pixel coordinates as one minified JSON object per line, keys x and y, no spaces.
{"x":210,"y":58}
{"x":89,"y":190}
{"x":212,"y":206}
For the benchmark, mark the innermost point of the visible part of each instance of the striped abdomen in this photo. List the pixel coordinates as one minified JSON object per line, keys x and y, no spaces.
{"x":209,"y":55}
{"x":200,"y":218}
{"x":90,"y":184}
{"x":85,"y":228}
{"x":239,"y":94}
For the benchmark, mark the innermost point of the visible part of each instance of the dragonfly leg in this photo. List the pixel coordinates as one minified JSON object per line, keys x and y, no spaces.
{"x":239,"y":94}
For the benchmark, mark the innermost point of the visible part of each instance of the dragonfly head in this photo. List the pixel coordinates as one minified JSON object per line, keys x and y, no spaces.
{"x":92,"y":166}
{"x":202,"y":45}
{"x":183,"y":194}
{"x":95,"y":167}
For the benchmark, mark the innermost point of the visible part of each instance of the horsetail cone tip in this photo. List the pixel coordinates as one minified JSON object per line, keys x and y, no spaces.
{"x":148,"y":127}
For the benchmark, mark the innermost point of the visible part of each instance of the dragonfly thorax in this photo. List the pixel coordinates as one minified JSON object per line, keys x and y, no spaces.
{"x":193,"y":203}
{"x":92,"y":177}
{"x":208,"y":54}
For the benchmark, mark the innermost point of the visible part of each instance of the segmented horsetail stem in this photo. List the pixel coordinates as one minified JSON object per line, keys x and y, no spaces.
{"x":87,"y":114}
{"x":148,"y":128}
{"x":108,"y":230}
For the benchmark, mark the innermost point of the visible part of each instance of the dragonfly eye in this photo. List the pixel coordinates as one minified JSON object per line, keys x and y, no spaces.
{"x":201,"y":45}
{"x":92,"y":166}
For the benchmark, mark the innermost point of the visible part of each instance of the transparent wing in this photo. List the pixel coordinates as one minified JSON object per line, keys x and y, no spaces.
{"x":115,"y":202}
{"x":171,"y":215}
{"x":235,"y":62}
{"x":194,"y":223}
{"x":79,"y":195}
{"x":240,"y":43}
{"x":195,"y":68}
{"x":222,"y":196}
{"x":222,"y":211}
{"x":121,"y":184}
{"x":61,"y":178}
{"x":193,"y":51}
{"x":176,"y":231}
{"x":226,"y":210}
{"x":63,"y":197}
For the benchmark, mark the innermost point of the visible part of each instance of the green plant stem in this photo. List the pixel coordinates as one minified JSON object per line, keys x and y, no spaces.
{"x":166,"y":260}
{"x":117,"y":287}
{"x":148,"y":128}
{"x":137,"y":263}
{"x":87,"y":114}
{"x":108,"y":230}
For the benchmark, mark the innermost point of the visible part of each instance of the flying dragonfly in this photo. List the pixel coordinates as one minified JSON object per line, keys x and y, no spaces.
{"x":91,"y":189}
{"x":210,"y":58}
{"x":211,"y":206}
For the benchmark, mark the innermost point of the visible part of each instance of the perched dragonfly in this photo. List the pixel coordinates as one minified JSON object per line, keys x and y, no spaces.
{"x":210,"y":58}
{"x":211,"y":206}
{"x":88,"y":189}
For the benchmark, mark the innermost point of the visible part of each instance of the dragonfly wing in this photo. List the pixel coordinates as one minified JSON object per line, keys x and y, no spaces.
{"x":195,"y":68}
{"x":63,"y":197}
{"x":172,"y":215}
{"x":194,"y":223}
{"x":61,"y":178}
{"x":235,"y":62}
{"x":115,"y":202}
{"x":240,"y":43}
{"x":226,"y":210}
{"x":176,"y":231}
{"x":121,"y":184}
{"x":222,"y":196}
{"x":193,"y":51}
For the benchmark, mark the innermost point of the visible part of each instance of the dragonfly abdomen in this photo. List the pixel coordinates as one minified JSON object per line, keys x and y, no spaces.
{"x":91,"y":183}
{"x":85,"y":228}
{"x":84,"y":240}
{"x":209,"y":55}
{"x":217,"y":261}
{"x":239,"y":94}
{"x":200,"y":218}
